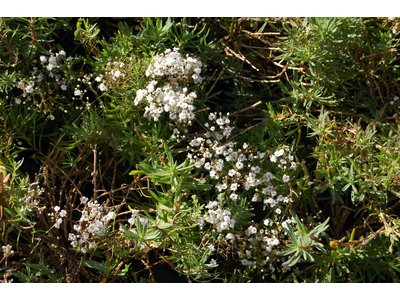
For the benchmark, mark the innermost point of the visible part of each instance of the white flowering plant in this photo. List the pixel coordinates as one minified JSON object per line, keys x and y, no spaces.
{"x":214,"y":149}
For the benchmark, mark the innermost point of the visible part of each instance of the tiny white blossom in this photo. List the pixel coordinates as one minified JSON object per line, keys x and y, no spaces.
{"x":213,"y":262}
{"x":233,"y":196}
{"x":285,"y":178}
{"x":239,"y":165}
{"x":58,"y":223}
{"x":103,"y":87}
{"x":230,"y":236}
{"x":251,"y":230}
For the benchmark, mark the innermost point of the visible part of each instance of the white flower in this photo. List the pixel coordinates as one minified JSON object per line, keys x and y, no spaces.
{"x":62,"y":52}
{"x":211,"y":116}
{"x":77,"y":92}
{"x":279,"y":152}
{"x":213,"y":261}
{"x":251,"y":230}
{"x":56,"y":208}
{"x":58,"y":223}
{"x":71,"y":236}
{"x":64,"y":87}
{"x":234,"y":186}
{"x":268,"y":177}
{"x":17,"y":101}
{"x":43,"y":59}
{"x":285,"y":178}
{"x":52,"y":59}
{"x":92,"y":245}
{"x":29,"y":88}
{"x":233,"y":196}
{"x":103,"y":87}
{"x":117,"y":74}
{"x":239,"y":165}
{"x":231,"y":172}
{"x":99,"y":78}
{"x":110,"y":216}
{"x":63,"y":213}
{"x":278,"y":211}
{"x":230,"y":236}
{"x":266,"y":222}
{"x":246,"y":262}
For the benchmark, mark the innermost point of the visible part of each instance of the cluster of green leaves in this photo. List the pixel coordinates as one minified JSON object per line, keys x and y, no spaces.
{"x":341,"y":62}
{"x":301,"y":241}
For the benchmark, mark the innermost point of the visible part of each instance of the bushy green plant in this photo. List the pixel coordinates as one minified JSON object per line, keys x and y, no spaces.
{"x":226,"y":149}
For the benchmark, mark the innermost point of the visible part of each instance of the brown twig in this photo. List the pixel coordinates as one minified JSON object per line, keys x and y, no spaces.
{"x":372,"y":237}
{"x":260,"y":33}
{"x":247,"y":108}
{"x":215,"y":82}
{"x":249,"y":79}
{"x":239,"y":56}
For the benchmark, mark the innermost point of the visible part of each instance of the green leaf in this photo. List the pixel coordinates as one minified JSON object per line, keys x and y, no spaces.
{"x":298,"y":222}
{"x":155,"y":235}
{"x":320,"y":228}
{"x":94,"y":265}
{"x":288,"y":251}
{"x":169,"y":154}
{"x":129,"y":234}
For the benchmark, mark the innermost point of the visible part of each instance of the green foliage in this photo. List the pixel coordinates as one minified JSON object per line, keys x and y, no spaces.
{"x":301,"y":241}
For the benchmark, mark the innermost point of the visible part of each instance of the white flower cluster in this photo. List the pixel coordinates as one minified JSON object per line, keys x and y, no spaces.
{"x":172,"y":97}
{"x":392,"y":102}
{"x":93,"y":222}
{"x":50,"y":72}
{"x":132,"y":219}
{"x":30,"y":199}
{"x":395,"y":98}
{"x":220,"y":218}
{"x":58,"y":215}
{"x":115,"y":72}
{"x":261,"y":246}
{"x":235,"y":168}
{"x":7,"y":250}
{"x":172,"y":65}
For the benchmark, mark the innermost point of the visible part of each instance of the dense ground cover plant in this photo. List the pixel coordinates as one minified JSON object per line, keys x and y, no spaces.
{"x":207,"y":149}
